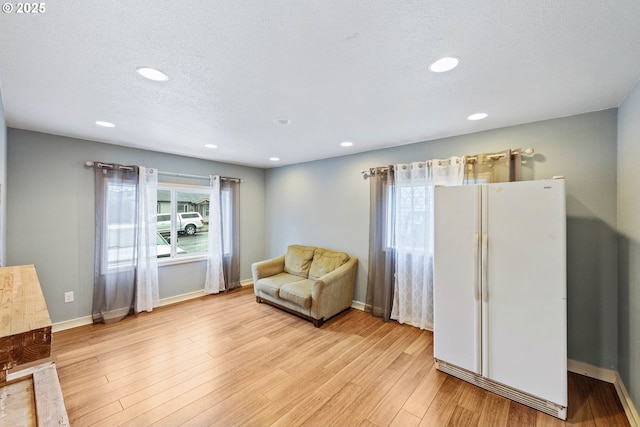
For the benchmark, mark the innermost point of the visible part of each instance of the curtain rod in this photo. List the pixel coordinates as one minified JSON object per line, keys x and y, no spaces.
{"x":495,"y":156}
{"x":186,"y":175}
{"x":515,"y":152}
{"x":101,"y":165}
{"x":90,"y":163}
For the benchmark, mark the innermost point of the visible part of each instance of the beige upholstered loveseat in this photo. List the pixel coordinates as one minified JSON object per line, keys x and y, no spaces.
{"x":313,"y":283}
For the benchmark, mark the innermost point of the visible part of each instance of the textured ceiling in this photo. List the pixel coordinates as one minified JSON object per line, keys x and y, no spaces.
{"x":339,"y":70}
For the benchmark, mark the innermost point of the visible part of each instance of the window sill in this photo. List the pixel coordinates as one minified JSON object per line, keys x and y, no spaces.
{"x":181,"y":260}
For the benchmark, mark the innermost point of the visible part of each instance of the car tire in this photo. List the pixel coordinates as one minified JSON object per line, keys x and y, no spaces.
{"x":190,"y":230}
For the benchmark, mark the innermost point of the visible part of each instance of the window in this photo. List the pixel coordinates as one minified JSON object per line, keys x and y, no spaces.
{"x":410,"y":214}
{"x":182,"y":221}
{"x":406,"y":216}
{"x":191,"y":215}
{"x":118,"y":239}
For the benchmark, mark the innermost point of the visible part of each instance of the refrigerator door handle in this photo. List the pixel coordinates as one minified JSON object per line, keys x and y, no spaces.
{"x":485,"y":249}
{"x":484,"y":345}
{"x":478,"y":303}
{"x":476,"y":279}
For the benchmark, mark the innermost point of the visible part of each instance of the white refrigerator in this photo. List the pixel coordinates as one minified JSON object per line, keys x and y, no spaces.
{"x":500,"y":309}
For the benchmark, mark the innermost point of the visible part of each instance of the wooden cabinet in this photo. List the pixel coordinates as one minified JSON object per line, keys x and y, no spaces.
{"x":31,"y":397}
{"x":25,"y":327}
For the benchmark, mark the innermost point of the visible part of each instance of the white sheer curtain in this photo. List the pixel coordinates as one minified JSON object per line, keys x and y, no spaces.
{"x":214,"y":281}
{"x":413,"y":287}
{"x":147,"y":294}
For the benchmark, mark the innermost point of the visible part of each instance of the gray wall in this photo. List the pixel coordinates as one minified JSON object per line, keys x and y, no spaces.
{"x":629,"y":239}
{"x":51,"y":214}
{"x":3,"y":182}
{"x":326,"y":203}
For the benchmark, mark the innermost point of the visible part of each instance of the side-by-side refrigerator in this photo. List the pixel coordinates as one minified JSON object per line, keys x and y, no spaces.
{"x":500,"y":306}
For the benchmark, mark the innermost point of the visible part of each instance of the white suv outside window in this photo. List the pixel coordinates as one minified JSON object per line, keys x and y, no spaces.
{"x":186,"y":223}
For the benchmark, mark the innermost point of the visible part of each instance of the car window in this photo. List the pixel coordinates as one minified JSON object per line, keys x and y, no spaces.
{"x":161,"y":240}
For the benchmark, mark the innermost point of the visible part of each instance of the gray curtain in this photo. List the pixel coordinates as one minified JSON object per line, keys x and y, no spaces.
{"x":503,"y":166}
{"x":116,"y":200}
{"x":379,"y":298}
{"x":231,"y":218}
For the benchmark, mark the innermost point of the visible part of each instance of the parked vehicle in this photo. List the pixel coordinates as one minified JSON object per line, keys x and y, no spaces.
{"x":120,"y":247}
{"x":186,"y":223}
{"x":164,"y":248}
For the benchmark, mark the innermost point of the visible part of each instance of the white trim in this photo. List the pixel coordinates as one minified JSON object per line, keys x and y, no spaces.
{"x":602,"y":374}
{"x":88,"y":320}
{"x":73,"y":323}
{"x":182,"y":259}
{"x":357,"y":305}
{"x":179,"y":298}
{"x":627,"y":403}
{"x":612,"y":377}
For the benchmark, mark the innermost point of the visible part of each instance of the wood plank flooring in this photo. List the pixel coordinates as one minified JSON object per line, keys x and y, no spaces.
{"x":225,"y":360}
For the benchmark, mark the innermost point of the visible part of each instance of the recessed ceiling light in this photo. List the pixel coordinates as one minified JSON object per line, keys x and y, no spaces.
{"x":281,"y":121}
{"x":152,"y":74}
{"x":444,"y":64}
{"x":477,"y":116}
{"x":347,"y":144}
{"x":105,"y":124}
{"x":274,"y":159}
{"x":211,"y":145}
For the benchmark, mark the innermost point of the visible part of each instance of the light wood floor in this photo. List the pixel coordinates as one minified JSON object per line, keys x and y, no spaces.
{"x":225,"y":360}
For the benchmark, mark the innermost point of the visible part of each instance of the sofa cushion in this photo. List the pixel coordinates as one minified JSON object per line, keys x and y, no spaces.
{"x":297,"y":261}
{"x":298,"y":292}
{"x":325,"y":261}
{"x":271,"y":285}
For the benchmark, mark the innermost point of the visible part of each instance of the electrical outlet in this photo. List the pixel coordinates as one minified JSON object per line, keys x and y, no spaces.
{"x":68,"y":297}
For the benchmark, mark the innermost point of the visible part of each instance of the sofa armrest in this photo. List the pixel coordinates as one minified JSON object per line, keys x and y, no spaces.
{"x":269,"y":267}
{"x":333,"y":292}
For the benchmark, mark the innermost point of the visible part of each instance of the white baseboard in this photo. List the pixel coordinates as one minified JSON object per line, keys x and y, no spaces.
{"x":73,"y":323}
{"x":602,"y":374}
{"x":180,"y":298}
{"x":87,"y":320}
{"x":612,"y":377}
{"x":357,"y":305}
{"x":627,"y":404}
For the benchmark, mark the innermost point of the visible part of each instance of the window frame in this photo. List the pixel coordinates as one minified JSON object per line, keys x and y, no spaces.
{"x":173,"y":189}
{"x":392,"y":214}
